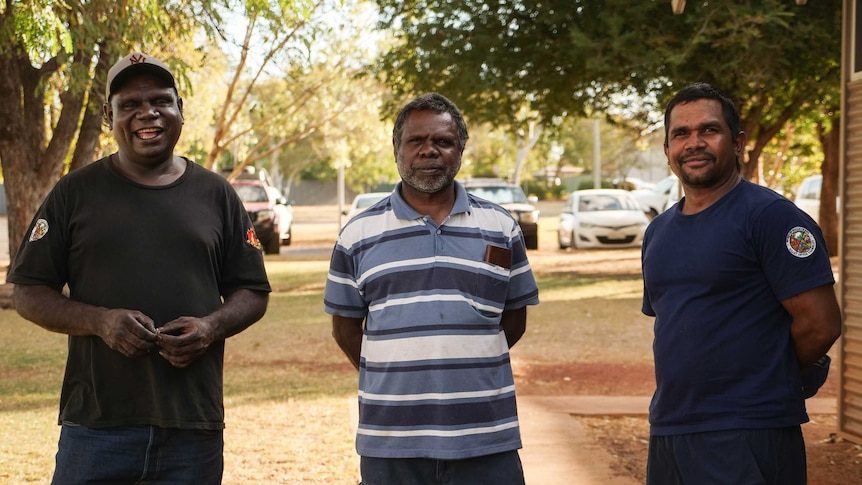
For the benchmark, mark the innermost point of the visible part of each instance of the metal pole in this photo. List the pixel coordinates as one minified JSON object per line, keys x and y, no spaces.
{"x":340,"y":192}
{"x":597,"y":155}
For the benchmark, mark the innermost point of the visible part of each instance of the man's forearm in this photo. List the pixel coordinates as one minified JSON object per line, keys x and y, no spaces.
{"x":53,"y":311}
{"x":347,"y":333}
{"x":241,"y":309}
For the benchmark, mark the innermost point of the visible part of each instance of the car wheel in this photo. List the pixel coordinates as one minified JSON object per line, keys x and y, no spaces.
{"x":560,"y":242}
{"x":532,"y":242}
{"x":652,"y":213}
{"x":272,"y":245}
{"x":573,"y":244}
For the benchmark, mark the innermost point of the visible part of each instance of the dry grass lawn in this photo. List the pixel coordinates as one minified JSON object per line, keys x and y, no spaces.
{"x":290,"y":394}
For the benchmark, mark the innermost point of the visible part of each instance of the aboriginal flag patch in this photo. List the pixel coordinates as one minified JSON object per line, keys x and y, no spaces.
{"x":251,"y":238}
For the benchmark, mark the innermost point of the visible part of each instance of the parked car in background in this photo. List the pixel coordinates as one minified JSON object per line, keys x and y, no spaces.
{"x":511,"y":197}
{"x":632,"y":183}
{"x":601,"y":218}
{"x":362,"y":202}
{"x":269,"y":211}
{"x":807,"y":196}
{"x":654,"y":200}
{"x":284,"y":212}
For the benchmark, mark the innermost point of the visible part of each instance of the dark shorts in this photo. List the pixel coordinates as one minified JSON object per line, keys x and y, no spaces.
{"x":139,"y":454}
{"x":732,"y":457}
{"x":497,"y":469}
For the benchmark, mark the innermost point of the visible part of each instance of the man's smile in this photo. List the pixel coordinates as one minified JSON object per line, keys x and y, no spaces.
{"x":148,"y":133}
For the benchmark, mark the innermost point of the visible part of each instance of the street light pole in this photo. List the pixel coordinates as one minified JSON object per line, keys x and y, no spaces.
{"x":597,"y":154}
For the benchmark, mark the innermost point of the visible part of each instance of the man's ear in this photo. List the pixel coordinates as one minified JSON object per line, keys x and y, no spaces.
{"x":108,"y":115}
{"x":180,"y":106}
{"x":739,"y":142}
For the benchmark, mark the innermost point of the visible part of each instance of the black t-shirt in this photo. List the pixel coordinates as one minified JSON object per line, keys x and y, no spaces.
{"x":167,"y":251}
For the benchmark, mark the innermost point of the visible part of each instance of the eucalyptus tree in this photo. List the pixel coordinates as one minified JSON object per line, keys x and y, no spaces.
{"x":297,"y":67}
{"x":54,"y":58}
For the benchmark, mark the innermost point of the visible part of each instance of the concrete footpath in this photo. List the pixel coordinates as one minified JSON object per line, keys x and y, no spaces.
{"x":557,"y":449}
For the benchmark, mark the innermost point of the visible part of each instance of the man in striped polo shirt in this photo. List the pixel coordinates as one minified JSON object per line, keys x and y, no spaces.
{"x":428,"y":290}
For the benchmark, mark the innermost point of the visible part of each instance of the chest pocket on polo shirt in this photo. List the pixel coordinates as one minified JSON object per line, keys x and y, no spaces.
{"x":492,"y":280}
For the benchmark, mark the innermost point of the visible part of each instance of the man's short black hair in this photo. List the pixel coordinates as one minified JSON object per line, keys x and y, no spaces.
{"x":430,"y":102}
{"x":696,"y":91}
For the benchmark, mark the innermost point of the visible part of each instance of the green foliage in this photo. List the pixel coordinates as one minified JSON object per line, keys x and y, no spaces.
{"x":43,"y":31}
{"x":776,"y":59}
{"x":544,"y":190}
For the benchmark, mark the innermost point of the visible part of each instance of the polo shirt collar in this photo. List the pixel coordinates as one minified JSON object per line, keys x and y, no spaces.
{"x":403,"y":211}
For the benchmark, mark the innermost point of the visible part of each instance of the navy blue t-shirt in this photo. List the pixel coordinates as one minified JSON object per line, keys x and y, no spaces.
{"x":715,"y":280}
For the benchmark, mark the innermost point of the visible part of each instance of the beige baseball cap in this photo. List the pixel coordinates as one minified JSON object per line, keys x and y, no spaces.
{"x":134,"y":63}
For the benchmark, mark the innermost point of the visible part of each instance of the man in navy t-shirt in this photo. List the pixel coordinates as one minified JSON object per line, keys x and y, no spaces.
{"x":740,"y":283}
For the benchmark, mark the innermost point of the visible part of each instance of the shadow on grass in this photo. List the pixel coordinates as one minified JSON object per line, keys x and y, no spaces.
{"x":575,"y":280}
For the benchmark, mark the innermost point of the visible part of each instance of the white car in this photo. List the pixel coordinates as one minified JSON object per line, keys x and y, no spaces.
{"x":601,"y":218}
{"x":632,"y":183}
{"x":808,"y":196}
{"x":284,"y":210}
{"x":362,"y":202}
{"x":655,"y":200}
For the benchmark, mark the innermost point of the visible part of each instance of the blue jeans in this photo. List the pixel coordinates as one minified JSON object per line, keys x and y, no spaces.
{"x":497,"y":469}
{"x":733,"y":457}
{"x":139,"y":455}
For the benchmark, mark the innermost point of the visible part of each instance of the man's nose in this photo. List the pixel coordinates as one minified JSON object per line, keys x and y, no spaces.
{"x":147,"y":110}
{"x":429,"y":147}
{"x":694,"y":140}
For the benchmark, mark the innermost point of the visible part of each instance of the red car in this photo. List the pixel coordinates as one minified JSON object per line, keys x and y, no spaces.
{"x":269,"y":212}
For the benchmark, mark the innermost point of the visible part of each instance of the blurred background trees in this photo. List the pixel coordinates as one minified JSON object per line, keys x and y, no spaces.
{"x":305,"y":87}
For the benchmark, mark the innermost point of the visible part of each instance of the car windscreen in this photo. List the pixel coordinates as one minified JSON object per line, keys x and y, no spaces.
{"x":592,"y":203}
{"x":251,"y":193}
{"x":500,"y":195}
{"x":363,"y":202}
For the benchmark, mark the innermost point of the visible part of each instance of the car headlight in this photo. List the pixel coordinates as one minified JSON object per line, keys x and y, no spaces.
{"x":265,"y":215}
{"x":529,"y":216}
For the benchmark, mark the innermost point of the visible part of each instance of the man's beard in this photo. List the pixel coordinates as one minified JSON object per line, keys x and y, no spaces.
{"x":706,"y":178}
{"x":429,"y":185}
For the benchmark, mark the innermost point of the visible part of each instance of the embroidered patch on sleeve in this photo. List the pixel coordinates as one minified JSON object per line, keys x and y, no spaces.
{"x":251,"y":238}
{"x":39,"y":230}
{"x":800,"y":242}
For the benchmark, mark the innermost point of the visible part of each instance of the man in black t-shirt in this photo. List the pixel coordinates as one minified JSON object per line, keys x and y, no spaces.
{"x":162,"y":265}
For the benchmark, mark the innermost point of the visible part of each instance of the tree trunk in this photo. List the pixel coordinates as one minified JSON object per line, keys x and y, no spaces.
{"x":91,"y":122}
{"x":831,"y":143}
{"x":25,"y":190}
{"x":32,"y":162}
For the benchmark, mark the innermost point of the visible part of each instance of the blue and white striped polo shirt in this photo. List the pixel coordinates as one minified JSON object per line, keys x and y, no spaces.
{"x":435,"y":379}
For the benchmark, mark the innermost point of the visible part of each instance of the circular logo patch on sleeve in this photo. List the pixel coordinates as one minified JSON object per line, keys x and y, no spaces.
{"x":39,"y":230}
{"x":800,"y":242}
